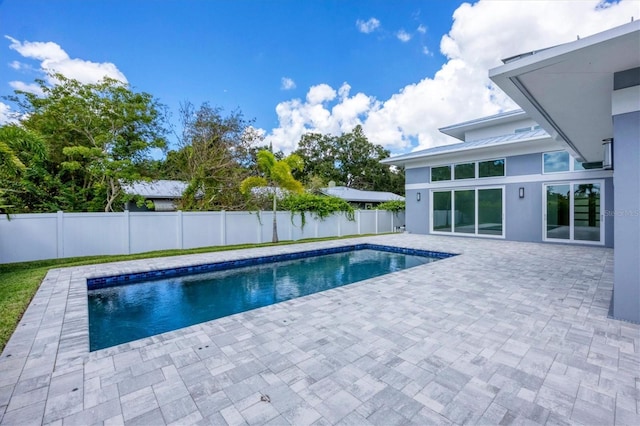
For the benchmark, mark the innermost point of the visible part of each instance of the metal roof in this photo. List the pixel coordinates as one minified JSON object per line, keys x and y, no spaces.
{"x":464,"y":146}
{"x":459,"y":130}
{"x":356,"y":195}
{"x":171,"y":189}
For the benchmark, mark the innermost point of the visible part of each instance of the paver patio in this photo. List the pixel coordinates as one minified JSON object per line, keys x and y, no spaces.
{"x":504,"y":333}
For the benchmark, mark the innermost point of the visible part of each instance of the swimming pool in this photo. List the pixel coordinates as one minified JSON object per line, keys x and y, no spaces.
{"x":128,"y":307}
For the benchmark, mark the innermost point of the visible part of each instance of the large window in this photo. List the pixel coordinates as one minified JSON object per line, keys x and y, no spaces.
{"x":441,"y":214}
{"x":491,"y":168}
{"x":472,"y":170}
{"x":440,"y":173}
{"x":554,"y":162}
{"x":465,"y":171}
{"x":561,"y":161}
{"x":465,"y":211}
{"x":468,"y":211}
{"x":573,"y":212}
{"x":490,"y":211}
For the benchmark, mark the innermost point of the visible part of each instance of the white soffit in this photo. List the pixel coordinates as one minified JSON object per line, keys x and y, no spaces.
{"x":568,"y":89}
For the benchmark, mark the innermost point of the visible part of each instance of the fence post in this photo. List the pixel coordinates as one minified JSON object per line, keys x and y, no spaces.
{"x":60,"y":234}
{"x":339,"y":224}
{"x":358,"y":221}
{"x":291,"y":227}
{"x":179,"y":231}
{"x":223,"y":228}
{"x":127,"y":230}
{"x":377,"y":221}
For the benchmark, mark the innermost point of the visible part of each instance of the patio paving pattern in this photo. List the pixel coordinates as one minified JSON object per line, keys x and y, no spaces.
{"x":504,"y":333}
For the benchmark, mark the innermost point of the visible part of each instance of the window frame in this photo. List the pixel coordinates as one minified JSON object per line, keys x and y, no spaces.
{"x":572,"y":164}
{"x":476,"y":189}
{"x":476,"y":168}
{"x":504,"y":168}
{"x":443,"y":180}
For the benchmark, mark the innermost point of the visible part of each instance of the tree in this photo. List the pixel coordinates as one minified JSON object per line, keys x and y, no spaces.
{"x":350,"y":160}
{"x":275,"y":175}
{"x":21,"y":152}
{"x":98,"y":137}
{"x":214,"y":155}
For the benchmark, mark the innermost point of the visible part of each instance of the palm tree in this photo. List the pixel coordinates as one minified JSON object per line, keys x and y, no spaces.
{"x":276,"y":174}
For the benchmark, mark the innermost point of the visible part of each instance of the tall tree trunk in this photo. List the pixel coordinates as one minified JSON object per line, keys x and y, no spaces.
{"x":275,"y":223}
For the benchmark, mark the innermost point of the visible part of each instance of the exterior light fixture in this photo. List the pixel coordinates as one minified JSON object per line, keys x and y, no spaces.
{"x":521,"y":192}
{"x":607,"y":158}
{"x":417,"y":196}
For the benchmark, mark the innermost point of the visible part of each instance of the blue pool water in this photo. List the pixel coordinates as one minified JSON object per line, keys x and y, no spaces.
{"x":120,"y":312}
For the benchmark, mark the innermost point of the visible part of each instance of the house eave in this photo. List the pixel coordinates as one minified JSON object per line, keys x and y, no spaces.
{"x":459,"y":130}
{"x":577,"y":111}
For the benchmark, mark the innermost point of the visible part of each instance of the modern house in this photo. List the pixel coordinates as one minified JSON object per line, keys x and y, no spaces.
{"x":162,"y":193}
{"x":564,"y":169}
{"x":361,"y":199}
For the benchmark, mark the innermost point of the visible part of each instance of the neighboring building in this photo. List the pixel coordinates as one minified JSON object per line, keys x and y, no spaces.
{"x":545,"y":173}
{"x":361,"y":199}
{"x":163,"y":193}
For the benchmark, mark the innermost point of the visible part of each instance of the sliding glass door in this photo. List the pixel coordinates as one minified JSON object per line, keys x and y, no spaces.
{"x":572,"y":212}
{"x":468,"y":211}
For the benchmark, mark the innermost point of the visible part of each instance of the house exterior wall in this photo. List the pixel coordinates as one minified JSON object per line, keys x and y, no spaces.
{"x":417,"y":175}
{"x":526,"y":164}
{"x":523,"y":217}
{"x":626,"y":213}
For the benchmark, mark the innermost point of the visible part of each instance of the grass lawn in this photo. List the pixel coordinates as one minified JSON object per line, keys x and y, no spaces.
{"x":19,"y":281}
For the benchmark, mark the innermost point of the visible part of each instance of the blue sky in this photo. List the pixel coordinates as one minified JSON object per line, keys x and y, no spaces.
{"x":400,"y":68}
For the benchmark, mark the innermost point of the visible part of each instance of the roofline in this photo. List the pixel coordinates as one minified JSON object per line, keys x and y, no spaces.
{"x":458,"y":130}
{"x":399,"y":160}
{"x":507,"y":76}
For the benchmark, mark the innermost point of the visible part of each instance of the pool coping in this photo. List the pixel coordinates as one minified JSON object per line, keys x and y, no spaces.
{"x":98,"y":282}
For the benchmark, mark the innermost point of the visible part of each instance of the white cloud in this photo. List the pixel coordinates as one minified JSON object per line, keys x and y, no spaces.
{"x":297,"y":117}
{"x":320,"y":93}
{"x":26,"y":87}
{"x":422,"y":29}
{"x":6,"y":115}
{"x":54,"y":59}
{"x":369,"y":26}
{"x":403,"y":36}
{"x":481,"y":34}
{"x":287,"y":83}
{"x":426,"y":51}
{"x":16,"y":65}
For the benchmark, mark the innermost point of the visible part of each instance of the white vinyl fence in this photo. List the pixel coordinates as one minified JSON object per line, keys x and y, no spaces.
{"x":56,"y":235}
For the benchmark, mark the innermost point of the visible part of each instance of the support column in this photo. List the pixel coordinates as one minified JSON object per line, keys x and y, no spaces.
{"x":626,"y":181}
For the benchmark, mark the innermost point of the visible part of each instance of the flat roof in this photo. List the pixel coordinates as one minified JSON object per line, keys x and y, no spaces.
{"x":170,"y":189}
{"x":567,"y":89}
{"x":357,"y":195}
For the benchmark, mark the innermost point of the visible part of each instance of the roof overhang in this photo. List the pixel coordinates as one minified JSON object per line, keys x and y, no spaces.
{"x":567,"y":89}
{"x":459,"y":130}
{"x":475,"y":153}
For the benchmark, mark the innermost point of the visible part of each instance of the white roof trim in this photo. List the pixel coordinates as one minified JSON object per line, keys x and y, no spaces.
{"x":458,"y":130}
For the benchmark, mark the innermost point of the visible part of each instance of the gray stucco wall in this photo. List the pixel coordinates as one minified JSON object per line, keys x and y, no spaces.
{"x":417,"y":212}
{"x":523,"y":215}
{"x":417,"y":175}
{"x":626,"y":214}
{"x":527,"y":164}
